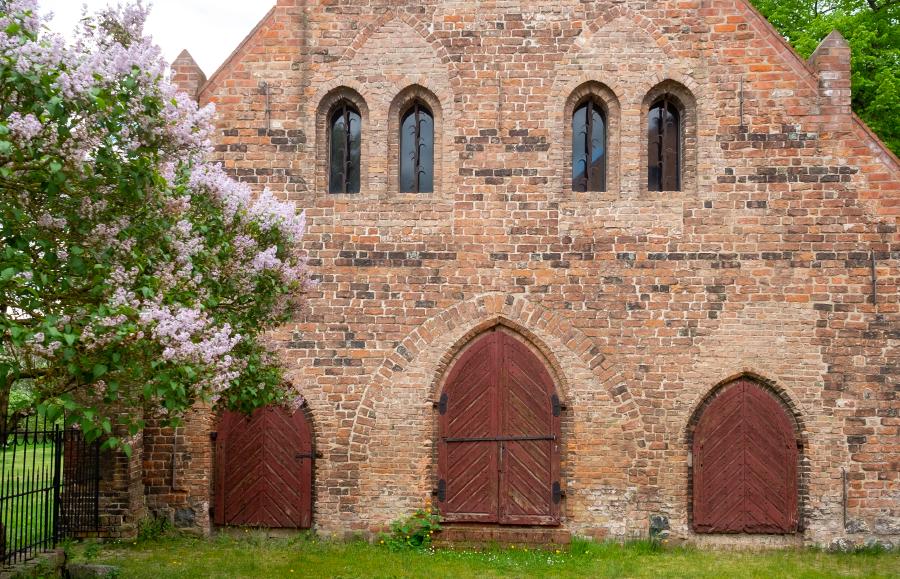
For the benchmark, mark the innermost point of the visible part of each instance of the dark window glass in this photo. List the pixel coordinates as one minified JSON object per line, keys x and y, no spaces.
{"x":589,"y":148}
{"x":417,"y":150}
{"x":344,"y":160}
{"x":664,"y":147}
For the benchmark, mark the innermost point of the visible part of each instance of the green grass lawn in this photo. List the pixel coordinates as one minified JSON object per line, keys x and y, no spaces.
{"x":253,"y":555}
{"x":25,"y":517}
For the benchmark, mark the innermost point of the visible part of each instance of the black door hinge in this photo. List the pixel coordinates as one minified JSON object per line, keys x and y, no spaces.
{"x":557,"y":493}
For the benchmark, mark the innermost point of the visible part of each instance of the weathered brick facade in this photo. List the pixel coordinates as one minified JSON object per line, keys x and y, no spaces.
{"x":778,"y":258}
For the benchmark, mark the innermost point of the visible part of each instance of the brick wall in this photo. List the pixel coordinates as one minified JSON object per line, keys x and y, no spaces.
{"x":121,"y":492}
{"x":177,"y":470}
{"x":640,"y":302}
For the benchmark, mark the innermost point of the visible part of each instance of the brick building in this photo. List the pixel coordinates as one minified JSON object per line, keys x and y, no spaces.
{"x":582,"y":264}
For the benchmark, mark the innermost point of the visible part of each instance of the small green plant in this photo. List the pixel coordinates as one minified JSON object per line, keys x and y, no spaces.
{"x":413,"y":532}
{"x":92,"y":550}
{"x":67,"y":544}
{"x":153,"y":528}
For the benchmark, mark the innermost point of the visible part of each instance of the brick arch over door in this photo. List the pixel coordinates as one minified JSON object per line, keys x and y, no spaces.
{"x":745,"y":475}
{"x":474,"y":316}
{"x":431,"y":348}
{"x":499,"y":435}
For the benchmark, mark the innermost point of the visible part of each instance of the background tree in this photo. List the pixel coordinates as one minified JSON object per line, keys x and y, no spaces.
{"x":135,"y":277}
{"x":872,"y":27}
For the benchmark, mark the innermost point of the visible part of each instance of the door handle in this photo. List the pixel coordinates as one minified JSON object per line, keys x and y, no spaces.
{"x":301,"y":455}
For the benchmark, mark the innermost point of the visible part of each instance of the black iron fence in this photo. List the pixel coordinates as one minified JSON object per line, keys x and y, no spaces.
{"x":49,"y":488}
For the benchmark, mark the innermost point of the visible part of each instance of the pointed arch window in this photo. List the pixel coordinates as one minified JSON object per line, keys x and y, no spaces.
{"x":589,"y":147}
{"x":417,"y":149}
{"x":664,"y":146}
{"x":345,"y":134}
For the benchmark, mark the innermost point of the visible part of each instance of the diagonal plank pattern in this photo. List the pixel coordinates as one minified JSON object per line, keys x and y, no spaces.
{"x":496,"y":394}
{"x":745,"y":464}
{"x":264,"y":469}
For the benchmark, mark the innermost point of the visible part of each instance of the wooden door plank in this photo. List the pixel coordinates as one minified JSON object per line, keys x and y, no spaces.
{"x":469,"y":469}
{"x":260,"y":480}
{"x":529,"y":467}
{"x":745,"y":463}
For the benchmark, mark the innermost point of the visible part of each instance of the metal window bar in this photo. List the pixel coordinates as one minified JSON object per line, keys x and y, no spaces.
{"x":666,"y":157}
{"x":661,"y":110}
{"x":416,"y":151}
{"x":584,"y":182}
{"x":49,"y":488}
{"x":346,"y":111}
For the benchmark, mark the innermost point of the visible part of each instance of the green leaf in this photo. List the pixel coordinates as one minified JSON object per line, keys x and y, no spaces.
{"x":99,"y":370}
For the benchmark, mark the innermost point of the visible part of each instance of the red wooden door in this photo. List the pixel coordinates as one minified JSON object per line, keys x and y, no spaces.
{"x":745,"y":464}
{"x":264,"y":469}
{"x":498,"y":456}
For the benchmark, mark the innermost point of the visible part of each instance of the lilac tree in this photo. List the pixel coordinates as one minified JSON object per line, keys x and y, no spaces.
{"x":135,"y":277}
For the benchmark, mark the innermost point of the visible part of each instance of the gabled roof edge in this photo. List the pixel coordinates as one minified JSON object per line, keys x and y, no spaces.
{"x":889,"y":155}
{"x":234,"y":53}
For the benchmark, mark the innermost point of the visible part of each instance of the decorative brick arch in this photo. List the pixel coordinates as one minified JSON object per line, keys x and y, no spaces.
{"x":563,"y":88}
{"x":441,"y":106}
{"x":684,"y":90}
{"x":474,"y":316}
{"x":330,"y":92}
{"x":611,"y":13}
{"x":574,"y":93}
{"x":683,"y":85}
{"x":381,"y":20}
{"x":451,"y":330}
{"x":534,"y":343}
{"x":324,"y":105}
{"x":787,"y":399}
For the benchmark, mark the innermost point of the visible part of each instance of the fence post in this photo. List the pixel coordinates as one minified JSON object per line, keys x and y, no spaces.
{"x":5,"y":440}
{"x":57,"y":473}
{"x":95,"y":478}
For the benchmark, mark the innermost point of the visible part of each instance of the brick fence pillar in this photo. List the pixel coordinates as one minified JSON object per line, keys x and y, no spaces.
{"x":121,"y":501}
{"x":178,"y":470}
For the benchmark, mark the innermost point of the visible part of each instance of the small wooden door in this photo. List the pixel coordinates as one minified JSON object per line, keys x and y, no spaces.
{"x":264,"y":469}
{"x":745,"y":464}
{"x":498,"y":456}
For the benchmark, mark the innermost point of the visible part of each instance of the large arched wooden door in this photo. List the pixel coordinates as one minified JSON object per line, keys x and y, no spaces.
{"x":498,"y":454}
{"x":264,"y":469}
{"x":745,"y":462}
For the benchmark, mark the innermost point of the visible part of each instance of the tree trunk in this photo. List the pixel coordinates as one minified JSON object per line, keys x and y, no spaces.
{"x":5,"y":390}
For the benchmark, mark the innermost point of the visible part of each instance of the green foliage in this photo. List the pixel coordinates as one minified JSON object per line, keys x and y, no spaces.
{"x":152,"y":528}
{"x":21,"y":397}
{"x":177,"y":557}
{"x":91,"y":550}
{"x":413,"y":532}
{"x":872,"y":27}
{"x":136,"y":279}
